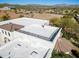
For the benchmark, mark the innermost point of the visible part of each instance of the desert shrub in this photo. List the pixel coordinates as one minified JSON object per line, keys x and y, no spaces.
{"x":75,"y":53}
{"x":56,"y":54}
{"x":21,"y":16}
{"x":5,"y":17}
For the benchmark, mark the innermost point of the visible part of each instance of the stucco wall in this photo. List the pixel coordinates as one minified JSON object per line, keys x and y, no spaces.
{"x":5,"y":35}
{"x":53,"y":43}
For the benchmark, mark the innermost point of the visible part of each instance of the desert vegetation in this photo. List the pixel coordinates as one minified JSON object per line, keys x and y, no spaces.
{"x":70,"y":28}
{"x":56,"y":54}
{"x":5,"y":17}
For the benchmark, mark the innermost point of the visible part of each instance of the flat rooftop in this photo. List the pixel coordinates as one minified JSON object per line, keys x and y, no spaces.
{"x":22,"y":49}
{"x":34,"y":27}
{"x":38,"y":31}
{"x":32,"y":38}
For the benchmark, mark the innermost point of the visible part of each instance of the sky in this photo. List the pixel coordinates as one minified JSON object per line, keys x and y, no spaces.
{"x":43,"y":2}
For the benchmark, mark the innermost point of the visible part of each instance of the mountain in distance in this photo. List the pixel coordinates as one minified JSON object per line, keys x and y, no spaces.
{"x":39,"y":5}
{"x":66,"y":5}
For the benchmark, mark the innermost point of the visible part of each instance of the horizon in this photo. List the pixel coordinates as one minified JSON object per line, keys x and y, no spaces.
{"x":41,"y":2}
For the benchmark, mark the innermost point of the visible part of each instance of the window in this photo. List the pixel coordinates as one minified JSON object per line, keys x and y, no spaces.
{"x":5,"y":33}
{"x":6,"y":40}
{"x":8,"y":34}
{"x":2,"y":31}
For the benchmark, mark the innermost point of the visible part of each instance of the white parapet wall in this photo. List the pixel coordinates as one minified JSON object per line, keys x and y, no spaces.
{"x":26,"y":21}
{"x":53,"y":43}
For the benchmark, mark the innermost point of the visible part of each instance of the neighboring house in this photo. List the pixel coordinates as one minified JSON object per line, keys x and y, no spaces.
{"x":7,"y":8}
{"x":27,"y":38}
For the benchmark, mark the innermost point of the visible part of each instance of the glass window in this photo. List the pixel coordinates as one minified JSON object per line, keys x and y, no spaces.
{"x":5,"y":33}
{"x":8,"y":33}
{"x":5,"y":40}
{"x":2,"y":31}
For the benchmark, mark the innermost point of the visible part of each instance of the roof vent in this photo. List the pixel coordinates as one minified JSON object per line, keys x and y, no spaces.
{"x":34,"y":53}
